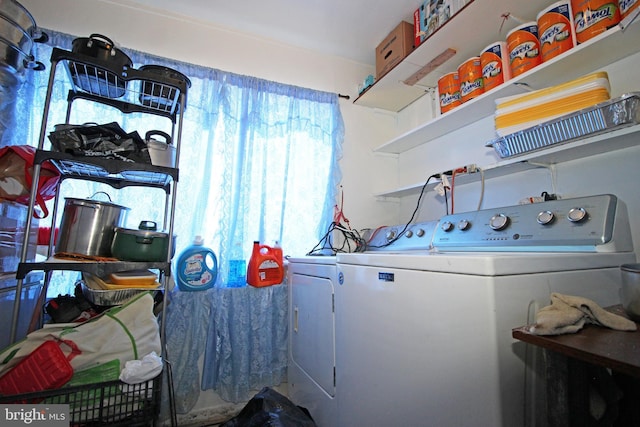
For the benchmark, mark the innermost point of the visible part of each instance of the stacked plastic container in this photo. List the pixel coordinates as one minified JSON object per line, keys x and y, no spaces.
{"x":519,"y":112}
{"x":557,"y":29}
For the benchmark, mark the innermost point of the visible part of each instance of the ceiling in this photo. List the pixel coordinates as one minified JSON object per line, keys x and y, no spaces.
{"x":347,"y":28}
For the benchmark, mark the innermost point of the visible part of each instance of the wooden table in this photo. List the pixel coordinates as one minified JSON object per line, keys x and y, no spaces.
{"x":595,"y":357}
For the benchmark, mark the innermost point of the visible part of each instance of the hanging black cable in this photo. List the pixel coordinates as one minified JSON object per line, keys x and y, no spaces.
{"x":352,"y":241}
{"x":413,"y":215}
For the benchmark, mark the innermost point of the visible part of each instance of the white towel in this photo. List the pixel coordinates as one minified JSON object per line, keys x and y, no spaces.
{"x":569,"y":314}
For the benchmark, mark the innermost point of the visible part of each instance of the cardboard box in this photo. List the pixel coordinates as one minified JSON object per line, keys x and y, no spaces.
{"x":394,"y":48}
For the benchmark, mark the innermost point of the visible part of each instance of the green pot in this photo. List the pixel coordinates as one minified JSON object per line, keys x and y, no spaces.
{"x":144,"y":244}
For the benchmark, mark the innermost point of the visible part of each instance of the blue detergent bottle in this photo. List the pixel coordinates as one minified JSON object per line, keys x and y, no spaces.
{"x":197,"y":267}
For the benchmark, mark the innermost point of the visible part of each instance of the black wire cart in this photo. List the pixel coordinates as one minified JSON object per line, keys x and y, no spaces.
{"x":112,"y":403}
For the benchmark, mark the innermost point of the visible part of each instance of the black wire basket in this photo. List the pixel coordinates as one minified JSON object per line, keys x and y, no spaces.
{"x":112,"y":403}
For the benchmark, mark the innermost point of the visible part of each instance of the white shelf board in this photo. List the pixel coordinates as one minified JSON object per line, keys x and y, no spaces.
{"x":406,"y":190}
{"x":477,"y":25}
{"x":594,"y":54}
{"x":470,"y":112}
{"x":559,"y":153}
{"x":490,"y":172}
{"x":389,"y":94}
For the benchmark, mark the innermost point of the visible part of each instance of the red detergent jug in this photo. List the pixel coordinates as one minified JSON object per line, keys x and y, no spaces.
{"x":265,"y":266}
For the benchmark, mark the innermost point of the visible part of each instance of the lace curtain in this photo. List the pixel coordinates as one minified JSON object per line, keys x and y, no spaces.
{"x":258,"y":161}
{"x":241,"y":334}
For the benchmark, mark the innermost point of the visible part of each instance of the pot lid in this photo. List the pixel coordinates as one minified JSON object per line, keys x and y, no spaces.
{"x":167,"y":72}
{"x":92,"y":203}
{"x":140,"y":233}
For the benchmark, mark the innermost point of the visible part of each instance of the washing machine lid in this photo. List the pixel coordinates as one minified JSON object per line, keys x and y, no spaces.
{"x":489,"y":263}
{"x":313,"y":259}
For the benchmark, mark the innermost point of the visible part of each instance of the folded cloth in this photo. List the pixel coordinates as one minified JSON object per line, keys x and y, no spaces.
{"x":568,"y":314}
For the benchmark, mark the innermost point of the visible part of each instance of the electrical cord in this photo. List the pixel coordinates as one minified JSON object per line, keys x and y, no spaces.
{"x":352,"y":241}
{"x":453,"y":183}
{"x":413,"y":215}
{"x":453,"y":180}
{"x":480,"y":200}
{"x":446,"y":201}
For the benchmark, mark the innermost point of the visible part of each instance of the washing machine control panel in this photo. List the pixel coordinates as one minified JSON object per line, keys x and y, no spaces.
{"x":403,"y":237}
{"x":579,"y":224}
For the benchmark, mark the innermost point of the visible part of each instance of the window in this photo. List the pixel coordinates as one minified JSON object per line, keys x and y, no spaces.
{"x":258,"y":159}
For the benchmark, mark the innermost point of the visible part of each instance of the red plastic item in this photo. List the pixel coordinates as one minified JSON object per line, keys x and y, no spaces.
{"x":44,"y":233}
{"x":265,"y":266}
{"x":45,"y":368}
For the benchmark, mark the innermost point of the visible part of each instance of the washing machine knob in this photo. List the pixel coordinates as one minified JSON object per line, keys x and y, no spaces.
{"x":545,"y":217}
{"x":391,"y":234}
{"x":409,"y":234}
{"x":447,"y":226}
{"x":499,"y":222}
{"x":464,"y":224}
{"x":577,"y":214}
{"x":420,"y":232}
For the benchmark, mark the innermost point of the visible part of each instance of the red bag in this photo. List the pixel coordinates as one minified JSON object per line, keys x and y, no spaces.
{"x":16,"y":169}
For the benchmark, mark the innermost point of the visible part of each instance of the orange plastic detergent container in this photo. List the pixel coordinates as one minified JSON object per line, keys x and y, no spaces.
{"x":555,"y":30}
{"x":593,"y":17}
{"x":627,"y":6}
{"x":495,"y":65}
{"x":265,"y":267}
{"x":524,"y":48}
{"x":471,"y":84}
{"x":449,"y":91}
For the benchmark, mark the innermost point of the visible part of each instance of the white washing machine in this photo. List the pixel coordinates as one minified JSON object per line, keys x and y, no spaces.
{"x":311,"y":368}
{"x":423,"y":336}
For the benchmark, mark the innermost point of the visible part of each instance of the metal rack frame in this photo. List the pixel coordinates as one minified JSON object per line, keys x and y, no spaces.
{"x":144,"y":92}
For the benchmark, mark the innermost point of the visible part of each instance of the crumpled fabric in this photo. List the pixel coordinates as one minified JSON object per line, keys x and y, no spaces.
{"x":568,"y":314}
{"x":242,"y":333}
{"x":145,"y":369}
{"x":107,"y":141}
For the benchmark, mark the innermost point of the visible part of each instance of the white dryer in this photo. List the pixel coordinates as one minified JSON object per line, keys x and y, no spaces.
{"x":424,"y":336}
{"x":311,"y":368}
